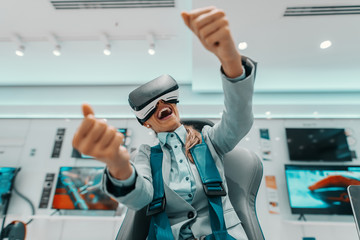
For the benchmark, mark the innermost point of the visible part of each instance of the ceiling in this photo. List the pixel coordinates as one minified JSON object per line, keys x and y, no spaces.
{"x":286,"y":48}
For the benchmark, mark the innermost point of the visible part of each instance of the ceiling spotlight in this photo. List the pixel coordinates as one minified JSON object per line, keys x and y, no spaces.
{"x":105,"y":39}
{"x":242,"y":45}
{"x":151,"y":40}
{"x":151,"y":49}
{"x":20,"y":51}
{"x":107,"y":50}
{"x":325,"y":44}
{"x":57,"y":47}
{"x":57,"y":50}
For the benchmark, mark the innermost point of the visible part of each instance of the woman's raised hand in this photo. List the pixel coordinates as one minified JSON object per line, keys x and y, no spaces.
{"x":96,"y":138}
{"x":211,"y":26}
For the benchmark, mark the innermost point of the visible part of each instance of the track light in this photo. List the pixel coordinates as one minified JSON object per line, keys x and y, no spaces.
{"x":57,"y":50}
{"x":151,"y":39}
{"x":107,"y":50}
{"x":20,"y":51}
{"x":57,"y":47}
{"x":56,"y":42}
{"x":151,"y":50}
{"x":105,"y":39}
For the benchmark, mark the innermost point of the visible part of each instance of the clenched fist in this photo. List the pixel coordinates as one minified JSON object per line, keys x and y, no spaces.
{"x":96,"y":138}
{"x":211,"y":26}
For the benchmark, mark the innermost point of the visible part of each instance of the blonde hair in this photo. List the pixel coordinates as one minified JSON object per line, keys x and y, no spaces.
{"x":193,"y":137}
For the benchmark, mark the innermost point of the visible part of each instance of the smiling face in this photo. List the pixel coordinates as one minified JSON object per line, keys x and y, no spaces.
{"x":165,"y":119}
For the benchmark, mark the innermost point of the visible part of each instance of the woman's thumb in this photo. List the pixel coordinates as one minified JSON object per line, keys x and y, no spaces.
{"x":87,"y":109}
{"x":186,"y":17}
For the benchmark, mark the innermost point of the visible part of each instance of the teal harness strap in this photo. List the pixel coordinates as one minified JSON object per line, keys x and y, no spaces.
{"x":159,"y":225}
{"x":213,"y":188}
{"x":160,"y":228}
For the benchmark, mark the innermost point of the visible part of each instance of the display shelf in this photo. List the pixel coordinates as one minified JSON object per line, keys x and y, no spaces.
{"x":320,"y":223}
{"x":70,"y":217}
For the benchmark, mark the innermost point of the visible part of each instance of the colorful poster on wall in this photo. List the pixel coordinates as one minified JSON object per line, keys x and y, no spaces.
{"x":265,"y":144}
{"x":272,"y":195}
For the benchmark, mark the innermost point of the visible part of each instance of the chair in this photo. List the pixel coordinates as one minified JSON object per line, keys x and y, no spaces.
{"x":243,"y":171}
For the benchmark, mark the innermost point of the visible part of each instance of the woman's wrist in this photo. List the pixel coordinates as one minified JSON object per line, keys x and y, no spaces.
{"x":232,"y":67}
{"x":121,"y":172}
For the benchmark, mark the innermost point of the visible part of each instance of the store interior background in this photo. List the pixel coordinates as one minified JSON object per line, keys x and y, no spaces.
{"x":298,"y":84}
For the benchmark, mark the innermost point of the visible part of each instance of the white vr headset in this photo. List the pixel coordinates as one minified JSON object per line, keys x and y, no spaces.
{"x":143,"y":100}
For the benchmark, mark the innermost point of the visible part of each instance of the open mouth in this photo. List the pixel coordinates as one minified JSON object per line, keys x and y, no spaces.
{"x":164,"y":113}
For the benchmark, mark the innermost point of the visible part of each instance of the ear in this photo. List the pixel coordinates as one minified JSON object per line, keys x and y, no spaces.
{"x":146,"y":124}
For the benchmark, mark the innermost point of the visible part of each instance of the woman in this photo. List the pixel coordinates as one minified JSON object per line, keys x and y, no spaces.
{"x":188,"y":208}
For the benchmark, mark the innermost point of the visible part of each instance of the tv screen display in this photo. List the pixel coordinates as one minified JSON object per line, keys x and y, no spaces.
{"x":320,"y":189}
{"x":78,"y":188}
{"x":318,"y":144}
{"x":76,"y":154}
{"x":7,"y":177}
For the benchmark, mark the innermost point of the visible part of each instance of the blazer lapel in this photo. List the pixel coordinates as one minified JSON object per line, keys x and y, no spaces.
{"x":174,"y":203}
{"x":173,"y":199}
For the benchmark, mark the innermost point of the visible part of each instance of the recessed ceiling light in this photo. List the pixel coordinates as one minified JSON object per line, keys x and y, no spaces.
{"x":242,"y":45}
{"x":325,"y":44}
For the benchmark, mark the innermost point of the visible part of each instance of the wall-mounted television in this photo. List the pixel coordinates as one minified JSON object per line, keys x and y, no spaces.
{"x":320,"y":189}
{"x":318,"y":144}
{"x":7,"y":178}
{"x":76,"y":154}
{"x":79,"y":188}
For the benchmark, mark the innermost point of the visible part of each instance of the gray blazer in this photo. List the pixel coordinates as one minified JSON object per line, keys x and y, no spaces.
{"x":235,"y":123}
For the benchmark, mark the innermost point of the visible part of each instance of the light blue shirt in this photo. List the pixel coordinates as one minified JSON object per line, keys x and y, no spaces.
{"x":181,"y":179}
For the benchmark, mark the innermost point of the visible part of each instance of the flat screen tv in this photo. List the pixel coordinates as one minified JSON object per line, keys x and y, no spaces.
{"x":318,"y":144}
{"x":79,"y":188}
{"x":7,"y":178}
{"x":320,"y":189}
{"x":76,"y":154}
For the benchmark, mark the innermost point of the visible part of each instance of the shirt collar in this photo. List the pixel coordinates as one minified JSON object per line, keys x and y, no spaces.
{"x":180,"y":132}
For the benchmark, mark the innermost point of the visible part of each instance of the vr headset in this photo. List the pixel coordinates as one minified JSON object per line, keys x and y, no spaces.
{"x":143,"y":100}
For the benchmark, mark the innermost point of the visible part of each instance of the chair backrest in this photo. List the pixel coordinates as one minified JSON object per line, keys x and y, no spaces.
{"x":243,"y":171}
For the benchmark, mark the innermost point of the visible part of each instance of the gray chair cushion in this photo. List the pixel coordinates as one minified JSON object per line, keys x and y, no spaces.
{"x":244,"y":171}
